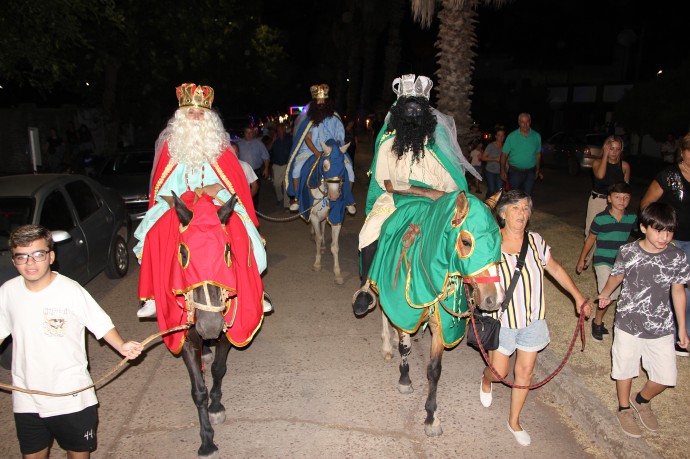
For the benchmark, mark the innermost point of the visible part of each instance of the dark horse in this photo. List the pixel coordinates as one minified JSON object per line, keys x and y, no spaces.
{"x":429,"y":253}
{"x":322,"y":200}
{"x":221,"y":288}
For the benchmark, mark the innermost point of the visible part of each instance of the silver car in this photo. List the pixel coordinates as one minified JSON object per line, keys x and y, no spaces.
{"x":572,"y":150}
{"x":89,"y":223}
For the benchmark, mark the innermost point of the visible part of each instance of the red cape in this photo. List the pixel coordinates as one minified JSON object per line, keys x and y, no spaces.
{"x":159,"y":263}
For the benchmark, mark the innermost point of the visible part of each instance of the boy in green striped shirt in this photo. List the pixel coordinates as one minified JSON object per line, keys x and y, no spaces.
{"x":610,"y":229}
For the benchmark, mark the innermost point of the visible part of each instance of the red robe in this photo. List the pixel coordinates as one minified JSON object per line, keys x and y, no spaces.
{"x":160,"y":265}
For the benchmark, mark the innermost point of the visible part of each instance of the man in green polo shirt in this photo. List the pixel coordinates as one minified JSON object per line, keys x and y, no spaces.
{"x":521,"y":156}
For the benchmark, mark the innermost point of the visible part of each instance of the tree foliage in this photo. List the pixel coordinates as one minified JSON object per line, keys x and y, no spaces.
{"x":136,"y":50}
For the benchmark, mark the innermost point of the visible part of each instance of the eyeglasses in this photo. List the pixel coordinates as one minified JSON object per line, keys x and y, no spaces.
{"x":23,"y":258}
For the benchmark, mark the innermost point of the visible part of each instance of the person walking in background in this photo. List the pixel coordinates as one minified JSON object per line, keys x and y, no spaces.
{"x":47,"y":314}
{"x":672,"y":186}
{"x":606,"y":171}
{"x":252,"y":179}
{"x":610,"y":229}
{"x":254,"y":152}
{"x":521,"y":157}
{"x":279,"y":152}
{"x":652,"y":271}
{"x":351,"y":139}
{"x":668,"y":149}
{"x":523,"y":323}
{"x":492,"y":160}
{"x":476,"y":152}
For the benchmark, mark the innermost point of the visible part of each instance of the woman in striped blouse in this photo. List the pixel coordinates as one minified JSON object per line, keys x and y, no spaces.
{"x":523,"y":324}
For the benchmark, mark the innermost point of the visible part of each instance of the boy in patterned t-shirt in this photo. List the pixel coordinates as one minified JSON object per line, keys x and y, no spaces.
{"x":644,"y":326}
{"x":610,"y":229}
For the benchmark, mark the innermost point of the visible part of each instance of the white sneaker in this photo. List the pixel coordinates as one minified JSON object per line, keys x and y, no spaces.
{"x":351,"y":209}
{"x":147,"y":310}
{"x":485,"y":397}
{"x":294,"y":206}
{"x":268,"y":306}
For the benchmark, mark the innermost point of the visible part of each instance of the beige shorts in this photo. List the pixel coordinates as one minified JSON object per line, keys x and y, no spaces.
{"x":658,"y":357}
{"x":603,"y":272}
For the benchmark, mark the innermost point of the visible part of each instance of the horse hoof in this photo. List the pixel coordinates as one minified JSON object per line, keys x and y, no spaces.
{"x":405,"y":388}
{"x":214,"y":455}
{"x":316,"y":268}
{"x":387,"y":356}
{"x":434,"y":429}
{"x":217,"y":418}
{"x":339,"y":280}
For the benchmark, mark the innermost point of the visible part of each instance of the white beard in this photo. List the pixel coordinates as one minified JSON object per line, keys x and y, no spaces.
{"x":196,"y":142}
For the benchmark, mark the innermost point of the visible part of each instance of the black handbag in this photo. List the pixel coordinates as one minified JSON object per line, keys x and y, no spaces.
{"x":488,"y":328}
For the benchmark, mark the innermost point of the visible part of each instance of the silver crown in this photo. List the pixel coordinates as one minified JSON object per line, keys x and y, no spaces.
{"x":407,"y":86}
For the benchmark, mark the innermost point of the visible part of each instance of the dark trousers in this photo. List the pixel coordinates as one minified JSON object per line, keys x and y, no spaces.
{"x":522,"y":179}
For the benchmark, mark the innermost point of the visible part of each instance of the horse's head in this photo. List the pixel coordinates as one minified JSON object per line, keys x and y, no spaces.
{"x":333,"y":164}
{"x":205,"y":275}
{"x":478,"y":249}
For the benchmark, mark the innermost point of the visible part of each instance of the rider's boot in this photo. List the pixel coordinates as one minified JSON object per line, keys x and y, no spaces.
{"x":148,"y":309}
{"x":364,"y":300}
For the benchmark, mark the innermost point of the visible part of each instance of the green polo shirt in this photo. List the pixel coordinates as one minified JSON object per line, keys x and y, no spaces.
{"x":522,"y":149}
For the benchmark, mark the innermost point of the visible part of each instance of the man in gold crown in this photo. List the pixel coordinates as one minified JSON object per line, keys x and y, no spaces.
{"x":416,"y":157}
{"x":194,"y":153}
{"x":320,"y":123}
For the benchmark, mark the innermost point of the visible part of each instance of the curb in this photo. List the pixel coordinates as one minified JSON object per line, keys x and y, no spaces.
{"x":588,"y":412}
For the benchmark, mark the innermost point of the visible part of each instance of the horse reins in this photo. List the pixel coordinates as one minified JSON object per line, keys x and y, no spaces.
{"x":102,"y":378}
{"x":471,"y":302}
{"x":579,"y":327}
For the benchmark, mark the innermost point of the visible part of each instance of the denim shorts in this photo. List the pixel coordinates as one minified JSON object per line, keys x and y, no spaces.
{"x":532,"y":338}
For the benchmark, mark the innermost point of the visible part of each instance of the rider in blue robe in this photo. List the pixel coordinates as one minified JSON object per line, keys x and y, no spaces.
{"x":319,"y":124}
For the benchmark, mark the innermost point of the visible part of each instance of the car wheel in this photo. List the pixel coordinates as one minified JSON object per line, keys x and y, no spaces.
{"x":573,"y":166}
{"x":118,"y":264}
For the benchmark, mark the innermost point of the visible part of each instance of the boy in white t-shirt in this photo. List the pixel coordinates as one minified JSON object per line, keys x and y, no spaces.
{"x":47,"y":314}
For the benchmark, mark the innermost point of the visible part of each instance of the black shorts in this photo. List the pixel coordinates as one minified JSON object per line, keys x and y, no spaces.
{"x":73,"y":431}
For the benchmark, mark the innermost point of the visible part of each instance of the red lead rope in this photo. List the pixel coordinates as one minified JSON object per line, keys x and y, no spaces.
{"x":579,"y":327}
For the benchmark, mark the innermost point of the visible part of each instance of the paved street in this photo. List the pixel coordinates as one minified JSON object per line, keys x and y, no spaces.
{"x":312,"y":384}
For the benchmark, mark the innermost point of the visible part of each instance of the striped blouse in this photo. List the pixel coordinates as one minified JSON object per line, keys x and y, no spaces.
{"x":527,"y":303}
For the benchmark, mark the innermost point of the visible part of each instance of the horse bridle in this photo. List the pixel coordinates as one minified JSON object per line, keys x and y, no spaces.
{"x":191,"y":305}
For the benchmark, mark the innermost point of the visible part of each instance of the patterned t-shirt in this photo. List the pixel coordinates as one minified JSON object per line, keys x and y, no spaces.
{"x":644,"y":307}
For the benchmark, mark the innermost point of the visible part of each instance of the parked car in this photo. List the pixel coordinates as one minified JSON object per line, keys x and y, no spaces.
{"x":572,"y":150}
{"x":129,"y":173}
{"x":89,"y":224}
{"x":90,"y":221}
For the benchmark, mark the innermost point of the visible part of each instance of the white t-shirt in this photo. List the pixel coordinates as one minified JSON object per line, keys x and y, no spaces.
{"x":48,"y":334}
{"x":248,"y":172}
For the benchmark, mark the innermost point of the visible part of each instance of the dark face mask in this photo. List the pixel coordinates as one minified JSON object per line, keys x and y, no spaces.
{"x":413,"y":113}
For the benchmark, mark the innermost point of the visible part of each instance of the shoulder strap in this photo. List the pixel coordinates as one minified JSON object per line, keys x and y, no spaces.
{"x":518,"y":269}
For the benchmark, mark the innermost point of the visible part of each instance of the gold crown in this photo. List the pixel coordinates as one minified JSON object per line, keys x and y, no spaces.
{"x":191,"y":95}
{"x":319,"y":91}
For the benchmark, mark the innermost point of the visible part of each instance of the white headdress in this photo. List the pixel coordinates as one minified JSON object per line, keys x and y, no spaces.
{"x":407,"y":86}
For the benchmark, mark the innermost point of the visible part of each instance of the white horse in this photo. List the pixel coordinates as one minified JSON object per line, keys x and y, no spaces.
{"x":321,"y":199}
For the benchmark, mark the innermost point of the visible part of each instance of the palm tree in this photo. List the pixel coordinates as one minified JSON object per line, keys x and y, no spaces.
{"x":455,"y":57}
